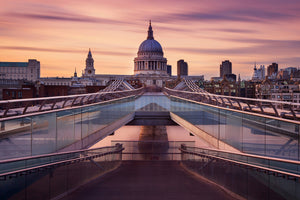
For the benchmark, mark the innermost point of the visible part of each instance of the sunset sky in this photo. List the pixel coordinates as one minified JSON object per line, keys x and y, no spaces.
{"x":59,"y":33}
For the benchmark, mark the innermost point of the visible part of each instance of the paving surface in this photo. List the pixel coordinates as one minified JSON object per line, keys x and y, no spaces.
{"x":148,"y":180}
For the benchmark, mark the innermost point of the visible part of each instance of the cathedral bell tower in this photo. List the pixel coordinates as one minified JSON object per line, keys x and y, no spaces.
{"x":89,"y":71}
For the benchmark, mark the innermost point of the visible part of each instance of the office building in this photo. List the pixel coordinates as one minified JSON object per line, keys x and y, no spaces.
{"x":182,"y":68}
{"x":225,"y":68}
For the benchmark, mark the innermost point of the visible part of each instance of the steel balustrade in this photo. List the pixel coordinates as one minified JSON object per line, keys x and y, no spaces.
{"x":18,"y":166}
{"x":280,"y":109}
{"x":277,"y":166}
{"x":24,"y":106}
{"x":246,"y":175}
{"x":53,"y":176}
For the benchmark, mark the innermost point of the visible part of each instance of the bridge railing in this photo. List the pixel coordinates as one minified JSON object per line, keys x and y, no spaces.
{"x":24,"y":106}
{"x":73,"y":127}
{"x":249,"y":176}
{"x":281,"y":109}
{"x":54,"y":175}
{"x":151,"y":149}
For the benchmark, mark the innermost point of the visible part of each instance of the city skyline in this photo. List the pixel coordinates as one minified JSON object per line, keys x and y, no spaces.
{"x":205,"y":33}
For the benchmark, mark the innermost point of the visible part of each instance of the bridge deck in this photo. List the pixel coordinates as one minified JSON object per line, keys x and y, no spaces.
{"x":149,"y":180}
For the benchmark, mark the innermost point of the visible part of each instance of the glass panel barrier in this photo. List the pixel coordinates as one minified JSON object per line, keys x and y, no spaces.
{"x":233,"y":129}
{"x":254,"y":134}
{"x":248,"y":132}
{"x":53,"y":180}
{"x":15,"y":138}
{"x":282,"y":139}
{"x":77,"y":125}
{"x":255,"y":181}
{"x":65,"y":128}
{"x":44,"y":138}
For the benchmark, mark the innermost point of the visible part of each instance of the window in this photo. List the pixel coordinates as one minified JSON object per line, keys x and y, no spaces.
{"x":20,"y":94}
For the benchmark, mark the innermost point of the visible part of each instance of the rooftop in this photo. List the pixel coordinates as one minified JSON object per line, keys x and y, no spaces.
{"x":13,"y":64}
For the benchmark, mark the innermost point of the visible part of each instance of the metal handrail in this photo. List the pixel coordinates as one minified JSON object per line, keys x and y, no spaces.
{"x":251,"y":103}
{"x":59,"y":109}
{"x":275,"y":171}
{"x":249,"y":155}
{"x":63,"y":97}
{"x":242,"y":111}
{"x":58,"y":163}
{"x":51,"y":154}
{"x":238,"y":98}
{"x":59,"y":99}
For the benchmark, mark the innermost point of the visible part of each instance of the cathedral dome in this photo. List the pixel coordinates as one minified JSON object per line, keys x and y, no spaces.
{"x":150,"y":58}
{"x":150,"y":46}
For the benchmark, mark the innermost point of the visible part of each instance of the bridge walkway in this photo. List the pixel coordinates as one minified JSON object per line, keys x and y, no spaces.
{"x":149,"y":180}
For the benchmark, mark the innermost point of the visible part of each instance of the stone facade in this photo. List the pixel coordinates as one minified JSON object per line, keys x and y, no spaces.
{"x":20,"y":70}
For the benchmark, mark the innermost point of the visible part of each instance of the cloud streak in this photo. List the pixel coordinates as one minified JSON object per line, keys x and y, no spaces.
{"x":226,"y":15}
{"x":65,"y":17}
{"x":265,"y":47}
{"x":52,"y":50}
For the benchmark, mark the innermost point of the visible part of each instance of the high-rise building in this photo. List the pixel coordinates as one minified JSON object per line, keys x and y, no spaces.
{"x":20,"y":70}
{"x":272,"y":70}
{"x":169,"y":70}
{"x":182,"y":68}
{"x":225,"y":68}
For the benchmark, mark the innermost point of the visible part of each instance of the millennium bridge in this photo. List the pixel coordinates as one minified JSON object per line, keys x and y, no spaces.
{"x":45,"y":146}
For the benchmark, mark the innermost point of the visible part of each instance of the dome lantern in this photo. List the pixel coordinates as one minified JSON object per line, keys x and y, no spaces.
{"x":150,"y":32}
